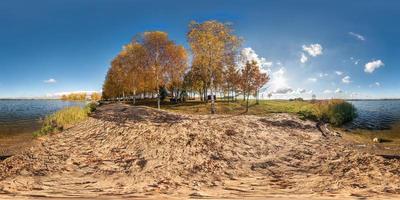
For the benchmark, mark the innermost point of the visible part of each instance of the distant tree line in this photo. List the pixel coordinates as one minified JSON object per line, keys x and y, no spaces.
{"x":81,"y":96}
{"x":152,"y":63}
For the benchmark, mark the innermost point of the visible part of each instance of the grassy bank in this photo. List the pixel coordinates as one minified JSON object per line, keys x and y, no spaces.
{"x":64,"y":118}
{"x":335,"y":112}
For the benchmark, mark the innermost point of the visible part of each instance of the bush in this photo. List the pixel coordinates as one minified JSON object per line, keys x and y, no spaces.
{"x":335,"y":112}
{"x":91,"y":106}
{"x":63,"y":119}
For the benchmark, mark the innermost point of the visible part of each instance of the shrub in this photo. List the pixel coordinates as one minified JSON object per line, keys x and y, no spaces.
{"x":63,"y":119}
{"x":91,"y":106}
{"x":335,"y":112}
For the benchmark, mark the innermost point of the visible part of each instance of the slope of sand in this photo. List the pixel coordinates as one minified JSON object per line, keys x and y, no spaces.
{"x":125,"y":151}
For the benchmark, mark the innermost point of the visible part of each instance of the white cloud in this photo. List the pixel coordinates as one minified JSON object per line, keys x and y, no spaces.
{"x":313,"y":49}
{"x":346,"y":79}
{"x":327,"y":91}
{"x":286,"y":90}
{"x":52,"y":80}
{"x":312,"y":79}
{"x":358,"y":36}
{"x":303,"y":58}
{"x":376,"y":84}
{"x":355,"y":61}
{"x":301,"y":90}
{"x":278,"y":81}
{"x":248,"y":54}
{"x":338,"y":90}
{"x":339,"y":73}
{"x":373,"y":65}
{"x":321,"y":75}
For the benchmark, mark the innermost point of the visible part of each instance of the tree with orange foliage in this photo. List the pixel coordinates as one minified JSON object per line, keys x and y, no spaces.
{"x":146,"y":64}
{"x":252,"y":80}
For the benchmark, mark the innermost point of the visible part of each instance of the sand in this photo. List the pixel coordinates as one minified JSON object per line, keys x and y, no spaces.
{"x":124,"y":151}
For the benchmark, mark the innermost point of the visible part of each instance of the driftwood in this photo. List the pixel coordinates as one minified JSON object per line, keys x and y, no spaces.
{"x":323,"y":127}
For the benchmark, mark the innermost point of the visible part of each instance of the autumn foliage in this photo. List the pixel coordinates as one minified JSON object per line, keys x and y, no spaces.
{"x":148,"y":63}
{"x":74,"y":97}
{"x":152,"y":62}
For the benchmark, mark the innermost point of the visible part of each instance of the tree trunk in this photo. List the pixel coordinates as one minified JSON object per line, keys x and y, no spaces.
{"x":158,"y":92}
{"x":213,"y":110}
{"x":134,"y":97}
{"x":257,"y":93}
{"x":205,"y":94}
{"x":247,"y":103}
{"x":229,"y":93}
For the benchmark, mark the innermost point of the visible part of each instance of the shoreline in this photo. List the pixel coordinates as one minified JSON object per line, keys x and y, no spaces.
{"x":124,"y":150}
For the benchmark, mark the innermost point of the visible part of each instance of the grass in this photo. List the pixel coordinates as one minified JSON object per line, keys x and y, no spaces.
{"x":335,"y":112}
{"x":64,"y":118}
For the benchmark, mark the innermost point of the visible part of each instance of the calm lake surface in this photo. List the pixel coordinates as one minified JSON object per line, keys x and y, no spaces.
{"x":20,"y":118}
{"x":376,"y":114}
{"x":18,"y":115}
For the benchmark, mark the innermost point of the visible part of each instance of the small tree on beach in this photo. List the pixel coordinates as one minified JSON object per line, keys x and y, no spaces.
{"x":260,"y":80}
{"x":252,"y":80}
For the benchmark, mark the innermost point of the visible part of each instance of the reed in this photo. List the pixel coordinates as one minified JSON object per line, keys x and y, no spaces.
{"x":64,"y":118}
{"x":336,"y":111}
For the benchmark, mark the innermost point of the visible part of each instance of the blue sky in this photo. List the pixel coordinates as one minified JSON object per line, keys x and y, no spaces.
{"x":49,"y":46}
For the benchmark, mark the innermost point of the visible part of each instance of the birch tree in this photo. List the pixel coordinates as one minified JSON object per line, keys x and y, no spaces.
{"x":211,"y":42}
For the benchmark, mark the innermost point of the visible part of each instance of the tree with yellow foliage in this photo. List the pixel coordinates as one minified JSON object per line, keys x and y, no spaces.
{"x":212,"y":43}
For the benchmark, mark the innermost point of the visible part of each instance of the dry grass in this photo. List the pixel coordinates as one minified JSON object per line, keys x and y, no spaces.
{"x":64,"y":118}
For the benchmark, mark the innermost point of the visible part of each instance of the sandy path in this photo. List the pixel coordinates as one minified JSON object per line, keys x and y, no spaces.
{"x":124,"y":151}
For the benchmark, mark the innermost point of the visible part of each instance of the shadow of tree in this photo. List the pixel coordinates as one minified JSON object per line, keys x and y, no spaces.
{"x":122,"y":113}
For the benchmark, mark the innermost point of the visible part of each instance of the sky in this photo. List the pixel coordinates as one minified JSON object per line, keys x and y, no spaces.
{"x":333,"y":49}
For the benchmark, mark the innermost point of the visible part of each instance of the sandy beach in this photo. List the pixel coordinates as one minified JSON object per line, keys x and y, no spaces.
{"x":125,"y":151}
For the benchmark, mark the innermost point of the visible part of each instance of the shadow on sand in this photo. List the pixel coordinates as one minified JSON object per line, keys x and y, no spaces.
{"x":122,"y":113}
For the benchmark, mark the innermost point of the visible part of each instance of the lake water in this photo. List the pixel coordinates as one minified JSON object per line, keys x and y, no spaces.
{"x":20,"y":118}
{"x":376,"y":114}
